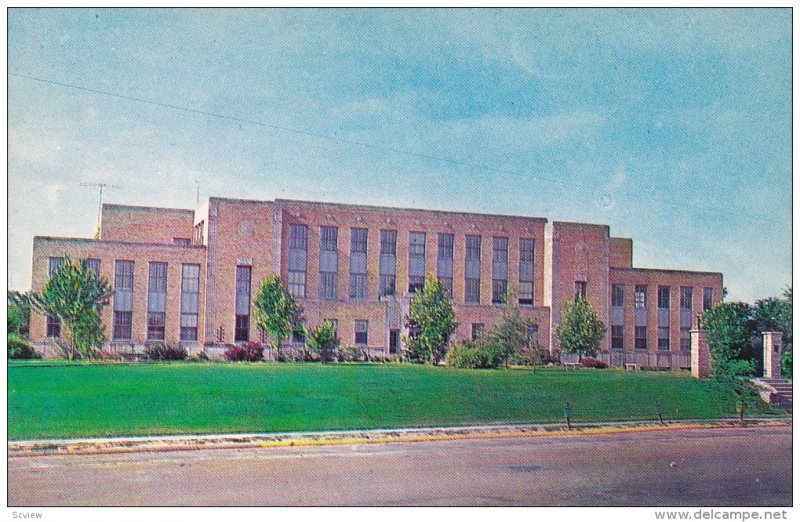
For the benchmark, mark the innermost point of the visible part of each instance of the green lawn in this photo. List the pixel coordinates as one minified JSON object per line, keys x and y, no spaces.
{"x":60,"y":400}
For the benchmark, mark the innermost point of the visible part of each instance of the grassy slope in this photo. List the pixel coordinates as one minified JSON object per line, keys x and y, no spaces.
{"x":72,"y":401}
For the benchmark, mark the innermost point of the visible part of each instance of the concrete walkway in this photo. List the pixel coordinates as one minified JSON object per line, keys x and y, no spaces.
{"x":94,"y":446}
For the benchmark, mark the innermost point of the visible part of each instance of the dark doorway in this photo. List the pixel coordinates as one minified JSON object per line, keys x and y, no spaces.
{"x":394,"y":341}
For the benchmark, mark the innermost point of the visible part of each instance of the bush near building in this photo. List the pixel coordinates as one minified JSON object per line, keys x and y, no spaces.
{"x":249,"y":352}
{"x":20,"y":348}
{"x":323,"y":342}
{"x":580,"y":331}
{"x":165,"y":352}
{"x":432,"y":318}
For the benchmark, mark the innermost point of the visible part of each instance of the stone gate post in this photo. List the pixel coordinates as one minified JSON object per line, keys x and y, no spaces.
{"x":773,"y":350}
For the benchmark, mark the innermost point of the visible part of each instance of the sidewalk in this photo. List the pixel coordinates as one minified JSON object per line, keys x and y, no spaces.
{"x":96,"y":446}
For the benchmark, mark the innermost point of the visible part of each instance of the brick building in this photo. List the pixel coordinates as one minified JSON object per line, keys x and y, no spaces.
{"x":189,"y":276}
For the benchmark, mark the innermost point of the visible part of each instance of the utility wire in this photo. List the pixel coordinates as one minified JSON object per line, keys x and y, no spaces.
{"x":405,"y":152}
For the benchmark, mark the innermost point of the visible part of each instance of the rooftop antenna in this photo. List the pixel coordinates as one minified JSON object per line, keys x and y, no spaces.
{"x":100,"y":205}
{"x":197,"y":184}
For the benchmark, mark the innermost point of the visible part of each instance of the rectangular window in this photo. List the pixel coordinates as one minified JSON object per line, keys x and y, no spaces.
{"x":362,"y":329}
{"x":618,"y":295}
{"x":358,"y":263}
{"x":663,"y":337}
{"x":686,"y":339}
{"x":328,"y":263}
{"x":181,"y":241}
{"x":617,"y":337}
{"x":123,"y":300}
{"x":708,"y":298}
{"x":190,"y":301}
{"x":394,"y":341}
{"x":472,"y":270}
{"x":532,"y":331}
{"x":445,"y":262}
{"x":53,"y":326}
{"x":53,"y":322}
{"x":199,"y":233}
{"x":686,"y":298}
{"x":641,"y":338}
{"x":93,"y":265}
{"x":663,"y":297}
{"x":123,"y":325}
{"x":499,"y":269}
{"x":416,"y":261}
{"x":299,"y":335}
{"x":526,"y":255}
{"x":388,"y":262}
{"x":580,"y":289}
{"x":640,"y":296}
{"x":477,"y":329}
{"x":243,"y":283}
{"x":157,"y":302}
{"x":298,"y":257}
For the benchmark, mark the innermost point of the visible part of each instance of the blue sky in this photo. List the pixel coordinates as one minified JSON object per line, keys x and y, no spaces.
{"x":671,"y":126}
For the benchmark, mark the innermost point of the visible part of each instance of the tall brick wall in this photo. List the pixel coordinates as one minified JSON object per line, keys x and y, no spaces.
{"x":145,"y":224}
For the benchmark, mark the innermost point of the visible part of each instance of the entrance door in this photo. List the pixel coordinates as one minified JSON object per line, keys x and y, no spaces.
{"x":394,"y":341}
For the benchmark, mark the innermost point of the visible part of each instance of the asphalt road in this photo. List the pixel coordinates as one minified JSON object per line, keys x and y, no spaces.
{"x":708,"y":467}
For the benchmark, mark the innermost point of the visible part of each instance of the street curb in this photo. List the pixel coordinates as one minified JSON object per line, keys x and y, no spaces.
{"x":102,"y":446}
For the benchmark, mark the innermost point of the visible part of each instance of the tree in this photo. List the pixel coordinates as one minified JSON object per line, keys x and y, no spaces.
{"x":510,"y":336}
{"x":729,"y":327}
{"x":76,"y":295}
{"x":433,"y":318}
{"x":580,"y":330}
{"x":323,"y":341}
{"x":19,"y":313}
{"x":276,"y":310}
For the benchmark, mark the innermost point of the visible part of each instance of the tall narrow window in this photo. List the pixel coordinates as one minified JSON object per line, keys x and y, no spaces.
{"x":298,"y":254}
{"x":663,"y":338}
{"x":190,"y":301}
{"x":328,"y":263}
{"x":617,"y":337}
{"x":499,"y":269}
{"x":472,"y":270}
{"x":708,"y":298}
{"x":617,"y":296}
{"x":477,"y":330}
{"x":242,"y":327}
{"x":123,"y":300}
{"x":526,"y":253}
{"x":199,"y":233}
{"x":445,"y":262}
{"x":663,"y":297}
{"x":416,"y":261}
{"x":388,"y":263}
{"x":640,"y":296}
{"x":686,"y":318}
{"x":641,"y":338}
{"x":362,"y":332}
{"x":53,"y":322}
{"x":580,"y":289}
{"x":358,"y":263}
{"x":157,"y":302}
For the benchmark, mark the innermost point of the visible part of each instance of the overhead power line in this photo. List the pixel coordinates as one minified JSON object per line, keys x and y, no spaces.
{"x":405,"y":152}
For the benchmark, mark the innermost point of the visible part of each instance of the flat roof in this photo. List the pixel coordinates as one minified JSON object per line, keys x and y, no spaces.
{"x":376,"y":208}
{"x":149,"y":209}
{"x":102,"y":242}
{"x":670,"y":270}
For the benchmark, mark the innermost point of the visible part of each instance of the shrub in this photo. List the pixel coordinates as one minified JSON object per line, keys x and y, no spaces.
{"x":250,"y":352}
{"x":352,"y":354}
{"x":20,"y":348}
{"x":199,"y":357}
{"x":469,"y":354}
{"x":588,"y":362}
{"x":165,"y":352}
{"x":323,"y":341}
{"x":786,"y":364}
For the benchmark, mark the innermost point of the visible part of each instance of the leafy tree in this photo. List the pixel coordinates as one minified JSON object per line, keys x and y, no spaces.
{"x":76,"y":295}
{"x":323,"y":341}
{"x":580,"y":330}
{"x":729,"y":327}
{"x":276,"y":310}
{"x":510,"y":337}
{"x":19,"y":313}
{"x":432,"y":315}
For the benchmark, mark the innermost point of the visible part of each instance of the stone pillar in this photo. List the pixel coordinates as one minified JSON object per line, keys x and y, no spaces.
{"x":773,"y":351}
{"x":701,"y":359}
